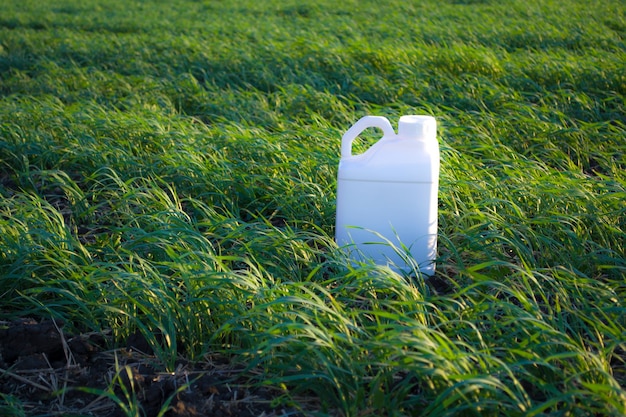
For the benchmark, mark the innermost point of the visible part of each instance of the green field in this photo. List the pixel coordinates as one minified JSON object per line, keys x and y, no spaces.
{"x":168,"y":168}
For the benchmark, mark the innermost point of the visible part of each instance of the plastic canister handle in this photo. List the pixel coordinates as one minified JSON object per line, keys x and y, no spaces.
{"x":365,"y":122}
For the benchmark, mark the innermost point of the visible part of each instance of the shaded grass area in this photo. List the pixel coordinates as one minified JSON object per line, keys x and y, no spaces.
{"x":170,"y":169}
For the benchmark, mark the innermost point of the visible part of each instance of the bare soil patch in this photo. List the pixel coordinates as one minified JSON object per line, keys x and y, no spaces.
{"x":53,"y":373}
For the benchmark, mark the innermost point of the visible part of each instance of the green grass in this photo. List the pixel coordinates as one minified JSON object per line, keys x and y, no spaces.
{"x":170,"y":167}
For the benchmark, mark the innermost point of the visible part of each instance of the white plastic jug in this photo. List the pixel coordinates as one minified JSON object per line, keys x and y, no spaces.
{"x":387,"y":196}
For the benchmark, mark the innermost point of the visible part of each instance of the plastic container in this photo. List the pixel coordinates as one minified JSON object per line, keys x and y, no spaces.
{"x":387,"y":196}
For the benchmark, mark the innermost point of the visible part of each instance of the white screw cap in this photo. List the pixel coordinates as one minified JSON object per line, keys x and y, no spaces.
{"x":422,"y":128}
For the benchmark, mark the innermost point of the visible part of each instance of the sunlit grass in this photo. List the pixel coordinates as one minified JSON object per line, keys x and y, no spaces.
{"x":170,"y":169}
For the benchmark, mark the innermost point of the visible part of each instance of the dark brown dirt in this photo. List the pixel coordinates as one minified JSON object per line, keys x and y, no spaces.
{"x":54,"y":373}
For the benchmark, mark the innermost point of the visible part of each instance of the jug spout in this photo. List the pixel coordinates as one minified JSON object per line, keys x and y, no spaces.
{"x":422,"y":128}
